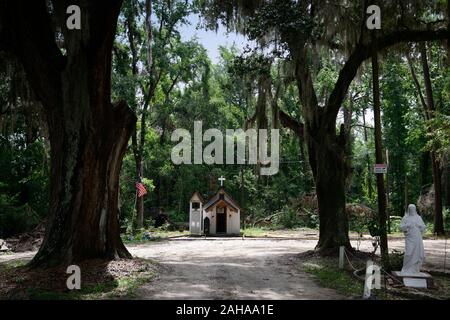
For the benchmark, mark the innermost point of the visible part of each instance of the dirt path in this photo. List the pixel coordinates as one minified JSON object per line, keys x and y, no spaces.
{"x":230,"y":268}
{"x":233,"y":268}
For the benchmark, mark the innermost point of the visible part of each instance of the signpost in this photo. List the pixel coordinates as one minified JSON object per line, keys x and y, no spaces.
{"x":380,"y":168}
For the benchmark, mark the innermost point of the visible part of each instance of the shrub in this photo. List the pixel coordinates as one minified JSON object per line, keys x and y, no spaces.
{"x":396,"y":260}
{"x":287,"y":218}
{"x":15,"y":220}
{"x":313,"y":220}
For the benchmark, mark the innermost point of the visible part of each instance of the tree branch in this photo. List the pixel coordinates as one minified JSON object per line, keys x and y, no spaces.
{"x":289,"y":122}
{"x":306,"y":89}
{"x":365,"y":51}
{"x":25,"y":30}
{"x":417,"y":85}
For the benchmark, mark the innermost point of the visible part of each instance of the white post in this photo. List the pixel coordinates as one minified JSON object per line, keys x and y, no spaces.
{"x":201,"y":218}
{"x":369,"y":279}
{"x":190,"y":217}
{"x":372,"y":273}
{"x":341,"y":257}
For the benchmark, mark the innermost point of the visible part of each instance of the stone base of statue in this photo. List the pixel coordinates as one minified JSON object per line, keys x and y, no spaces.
{"x":421,"y":280}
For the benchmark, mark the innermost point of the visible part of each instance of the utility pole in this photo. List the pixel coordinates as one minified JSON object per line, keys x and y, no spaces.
{"x":387,"y":194}
{"x":379,"y":160}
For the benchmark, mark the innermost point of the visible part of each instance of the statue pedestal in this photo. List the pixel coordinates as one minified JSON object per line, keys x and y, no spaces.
{"x":415,"y":280}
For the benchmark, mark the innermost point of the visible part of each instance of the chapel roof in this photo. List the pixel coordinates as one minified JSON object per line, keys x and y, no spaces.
{"x":221,"y":195}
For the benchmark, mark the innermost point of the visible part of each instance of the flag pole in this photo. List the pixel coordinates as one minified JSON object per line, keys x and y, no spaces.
{"x":134,"y":207}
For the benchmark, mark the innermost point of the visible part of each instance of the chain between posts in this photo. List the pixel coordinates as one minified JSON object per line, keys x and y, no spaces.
{"x":355,"y":270}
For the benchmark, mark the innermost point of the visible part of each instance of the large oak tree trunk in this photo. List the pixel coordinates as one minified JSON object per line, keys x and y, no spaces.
{"x":88,"y":134}
{"x":326,"y":152}
{"x":330,"y":172}
{"x":87,"y":148}
{"x":84,"y":189}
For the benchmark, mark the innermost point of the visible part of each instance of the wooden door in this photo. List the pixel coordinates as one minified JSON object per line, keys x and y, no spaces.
{"x":221,"y":220}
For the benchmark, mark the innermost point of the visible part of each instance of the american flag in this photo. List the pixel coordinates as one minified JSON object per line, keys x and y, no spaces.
{"x":140,"y":189}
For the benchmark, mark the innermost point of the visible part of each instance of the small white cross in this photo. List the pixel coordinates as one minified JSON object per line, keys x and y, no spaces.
{"x":222,"y":179}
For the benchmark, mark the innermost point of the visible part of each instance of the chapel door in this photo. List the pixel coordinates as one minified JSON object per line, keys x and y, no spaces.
{"x":206,"y":226}
{"x":221,"y":226}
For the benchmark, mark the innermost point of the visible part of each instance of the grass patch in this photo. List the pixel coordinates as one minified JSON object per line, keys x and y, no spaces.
{"x":326,"y":271}
{"x":255,"y":232}
{"x":90,"y":292}
{"x":442,"y":283}
{"x":274,"y":232}
{"x":16,"y":263}
{"x":332,"y":277}
{"x":99,"y":280}
{"x":121,"y":288}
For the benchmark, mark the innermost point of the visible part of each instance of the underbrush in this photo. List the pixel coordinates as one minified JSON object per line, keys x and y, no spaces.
{"x":151,"y":234}
{"x":326,"y":271}
{"x":331,"y":277}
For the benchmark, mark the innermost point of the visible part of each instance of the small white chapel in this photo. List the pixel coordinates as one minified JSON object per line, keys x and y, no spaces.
{"x":220,"y":215}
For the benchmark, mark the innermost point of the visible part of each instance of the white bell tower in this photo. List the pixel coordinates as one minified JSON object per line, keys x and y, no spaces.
{"x":196,"y":214}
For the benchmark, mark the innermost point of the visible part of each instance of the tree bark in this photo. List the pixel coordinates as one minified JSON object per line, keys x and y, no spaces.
{"x":382,"y":215}
{"x":84,"y":194}
{"x":425,"y":169}
{"x":329,"y":160}
{"x":88,"y":134}
{"x":438,"y":214}
{"x":448,"y":38}
{"x":348,"y":115}
{"x":446,"y":181}
{"x":326,"y":152}
{"x":435,"y":165}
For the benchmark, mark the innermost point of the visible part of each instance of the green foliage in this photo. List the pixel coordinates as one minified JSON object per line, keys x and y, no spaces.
{"x":222,"y":96}
{"x":362,"y":224}
{"x":438,"y":134}
{"x":24,"y":183}
{"x":152,"y":234}
{"x":287,"y":218}
{"x":396,"y":259}
{"x":282,"y":16}
{"x":186,"y":87}
{"x":328,"y":275}
{"x":395,"y":87}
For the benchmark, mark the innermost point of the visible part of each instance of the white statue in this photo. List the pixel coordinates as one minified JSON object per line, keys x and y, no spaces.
{"x":412,"y":225}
